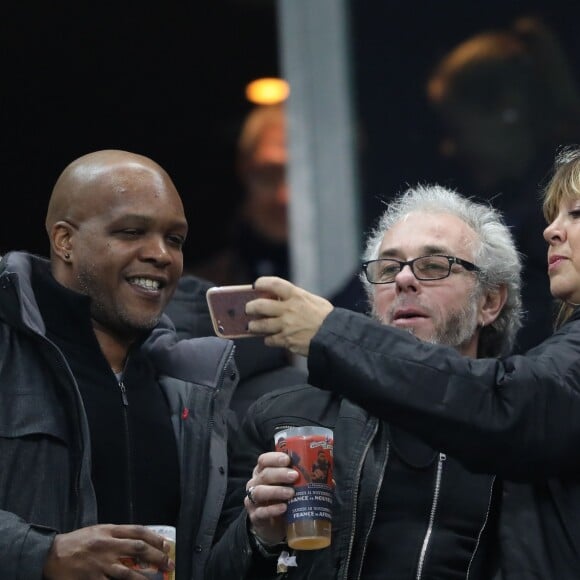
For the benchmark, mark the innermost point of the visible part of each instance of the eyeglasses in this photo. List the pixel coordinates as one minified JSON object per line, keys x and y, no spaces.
{"x":434,"y":267}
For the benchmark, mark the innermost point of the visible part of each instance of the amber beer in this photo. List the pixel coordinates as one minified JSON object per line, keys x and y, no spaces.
{"x":309,"y":515}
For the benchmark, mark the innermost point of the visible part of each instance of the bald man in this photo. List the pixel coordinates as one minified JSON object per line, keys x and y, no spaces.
{"x":106,"y":422}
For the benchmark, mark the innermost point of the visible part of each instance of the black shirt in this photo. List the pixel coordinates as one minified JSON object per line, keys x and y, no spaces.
{"x":403,"y":540}
{"x":135,"y":469}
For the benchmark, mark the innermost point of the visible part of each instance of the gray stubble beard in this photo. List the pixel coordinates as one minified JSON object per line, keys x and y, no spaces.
{"x":458,"y":328}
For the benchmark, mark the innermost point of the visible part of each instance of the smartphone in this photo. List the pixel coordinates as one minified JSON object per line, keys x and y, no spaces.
{"x":227,"y":308}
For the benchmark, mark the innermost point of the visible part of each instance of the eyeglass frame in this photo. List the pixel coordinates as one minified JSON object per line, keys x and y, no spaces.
{"x":469,"y":266}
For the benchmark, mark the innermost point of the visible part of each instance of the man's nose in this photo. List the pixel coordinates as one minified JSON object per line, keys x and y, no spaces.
{"x":405,"y":279}
{"x":156,"y":249}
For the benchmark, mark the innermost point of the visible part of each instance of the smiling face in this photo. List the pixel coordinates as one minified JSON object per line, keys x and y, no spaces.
{"x":563,"y":237}
{"x":445,"y":311}
{"x":121,"y":244}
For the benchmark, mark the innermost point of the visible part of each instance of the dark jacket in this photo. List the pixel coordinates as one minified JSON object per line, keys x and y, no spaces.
{"x":362,"y":458}
{"x":262,"y":369}
{"x":45,"y":473}
{"x":518,"y":417}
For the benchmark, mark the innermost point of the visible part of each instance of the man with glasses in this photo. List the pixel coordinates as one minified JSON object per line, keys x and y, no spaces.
{"x":445,"y":269}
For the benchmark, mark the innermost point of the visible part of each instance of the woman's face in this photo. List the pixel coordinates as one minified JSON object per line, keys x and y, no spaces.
{"x":563,"y":237}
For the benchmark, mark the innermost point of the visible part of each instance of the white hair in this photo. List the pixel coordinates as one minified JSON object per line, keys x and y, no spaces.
{"x":495,"y":254}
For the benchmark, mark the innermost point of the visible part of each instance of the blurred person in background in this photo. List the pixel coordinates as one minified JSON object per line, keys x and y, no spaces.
{"x":259,"y":242}
{"x":506,"y":99}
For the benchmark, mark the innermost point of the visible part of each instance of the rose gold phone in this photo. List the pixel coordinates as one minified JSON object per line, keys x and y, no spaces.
{"x":227,"y":308}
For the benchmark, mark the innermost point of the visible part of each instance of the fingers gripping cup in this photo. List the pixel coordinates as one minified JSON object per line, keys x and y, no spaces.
{"x":151,"y":572}
{"x":309,"y":515}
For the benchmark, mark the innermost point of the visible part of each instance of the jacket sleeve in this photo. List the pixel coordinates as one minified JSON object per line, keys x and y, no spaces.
{"x":518,"y":417}
{"x":23,"y":547}
{"x":232,"y":555}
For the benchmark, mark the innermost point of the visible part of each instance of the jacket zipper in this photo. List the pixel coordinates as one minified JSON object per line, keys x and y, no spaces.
{"x":128,"y":449}
{"x":482,"y":529}
{"x":220,"y":384}
{"x":202,"y":473}
{"x":356,"y":482}
{"x":374,"y":514}
{"x":426,"y":540}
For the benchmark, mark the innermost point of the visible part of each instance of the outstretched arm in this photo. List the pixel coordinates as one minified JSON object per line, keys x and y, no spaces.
{"x":518,"y":417}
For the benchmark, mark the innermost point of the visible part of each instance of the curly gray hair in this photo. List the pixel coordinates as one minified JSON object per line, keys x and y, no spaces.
{"x":496,"y":256}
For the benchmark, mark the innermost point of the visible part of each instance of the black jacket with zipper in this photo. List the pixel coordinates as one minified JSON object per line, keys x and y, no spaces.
{"x":517,"y":417}
{"x":45,"y":453}
{"x":361,"y":459}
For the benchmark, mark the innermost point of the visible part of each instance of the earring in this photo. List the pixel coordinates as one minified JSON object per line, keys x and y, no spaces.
{"x":66,"y":256}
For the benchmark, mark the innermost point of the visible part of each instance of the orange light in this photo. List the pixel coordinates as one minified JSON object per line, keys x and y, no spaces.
{"x":267,"y":91}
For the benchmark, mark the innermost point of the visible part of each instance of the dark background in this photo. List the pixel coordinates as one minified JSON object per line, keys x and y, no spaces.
{"x":396,"y":46}
{"x":162,"y":79}
{"x":167,"y":80}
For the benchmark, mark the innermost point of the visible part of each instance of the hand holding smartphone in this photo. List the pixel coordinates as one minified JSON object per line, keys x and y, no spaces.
{"x":227,"y":308}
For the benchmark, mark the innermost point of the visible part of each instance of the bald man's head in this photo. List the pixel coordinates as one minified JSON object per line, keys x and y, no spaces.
{"x":73,"y":194}
{"x":116,"y":226}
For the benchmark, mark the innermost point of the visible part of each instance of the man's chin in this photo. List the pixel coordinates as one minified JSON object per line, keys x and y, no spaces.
{"x":136,"y":326}
{"x":421,"y":328}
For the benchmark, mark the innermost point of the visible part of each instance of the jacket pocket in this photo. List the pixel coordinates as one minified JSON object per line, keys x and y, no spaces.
{"x":25,"y":414}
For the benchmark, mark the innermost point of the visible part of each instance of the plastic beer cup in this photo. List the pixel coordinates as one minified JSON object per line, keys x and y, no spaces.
{"x":309,"y":515}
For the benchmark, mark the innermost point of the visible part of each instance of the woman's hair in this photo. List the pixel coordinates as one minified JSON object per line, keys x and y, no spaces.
{"x":563,"y":186}
{"x":496,"y":255}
